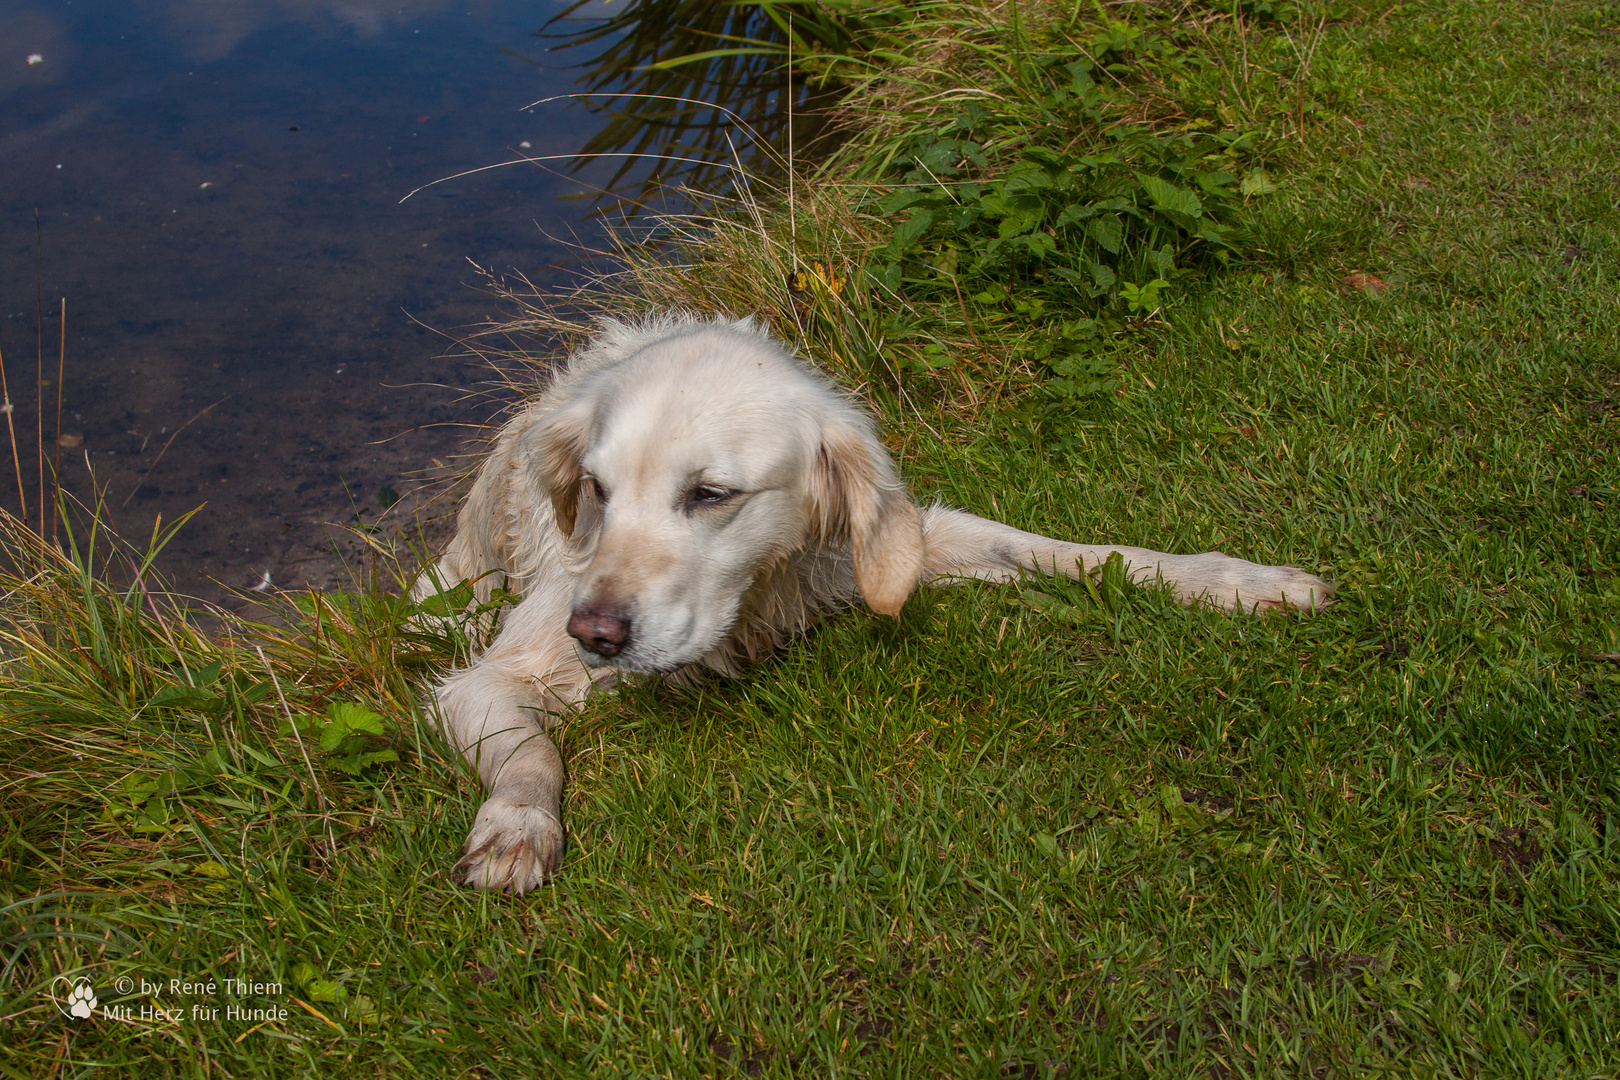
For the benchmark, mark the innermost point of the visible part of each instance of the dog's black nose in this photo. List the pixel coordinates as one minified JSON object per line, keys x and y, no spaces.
{"x":604,"y":633}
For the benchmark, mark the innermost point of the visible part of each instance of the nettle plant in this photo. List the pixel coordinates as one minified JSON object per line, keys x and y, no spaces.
{"x":1081,"y":225}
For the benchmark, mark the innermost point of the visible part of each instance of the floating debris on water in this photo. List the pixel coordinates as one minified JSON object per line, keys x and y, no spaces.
{"x":35,"y":59}
{"x":264,"y":583}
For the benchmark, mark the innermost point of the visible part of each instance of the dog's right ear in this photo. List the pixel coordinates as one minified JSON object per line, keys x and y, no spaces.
{"x":564,"y":437}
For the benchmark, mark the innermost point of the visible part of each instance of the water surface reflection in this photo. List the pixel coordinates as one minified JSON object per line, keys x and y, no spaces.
{"x":654,"y":69}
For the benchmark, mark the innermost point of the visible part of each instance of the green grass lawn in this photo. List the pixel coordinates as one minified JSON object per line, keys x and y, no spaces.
{"x":1038,"y":831}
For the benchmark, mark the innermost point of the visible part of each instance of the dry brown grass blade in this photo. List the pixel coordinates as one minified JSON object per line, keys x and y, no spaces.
{"x":39,"y":356}
{"x":56,"y":463}
{"x":11,"y":428}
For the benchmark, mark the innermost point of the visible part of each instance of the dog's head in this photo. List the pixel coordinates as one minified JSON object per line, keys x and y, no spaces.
{"x":690,"y":468}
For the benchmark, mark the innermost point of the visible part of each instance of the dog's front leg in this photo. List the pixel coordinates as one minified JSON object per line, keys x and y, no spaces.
{"x":496,"y":712}
{"x":961,"y":545}
{"x":498,"y":719}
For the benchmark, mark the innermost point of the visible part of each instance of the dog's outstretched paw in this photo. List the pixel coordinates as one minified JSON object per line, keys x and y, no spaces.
{"x":1286,"y":588}
{"x":513,"y":845}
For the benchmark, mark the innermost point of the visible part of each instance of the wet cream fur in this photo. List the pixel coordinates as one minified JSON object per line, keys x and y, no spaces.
{"x":648,"y":412}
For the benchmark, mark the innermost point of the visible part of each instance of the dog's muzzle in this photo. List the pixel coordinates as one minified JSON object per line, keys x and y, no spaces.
{"x":603,"y":632}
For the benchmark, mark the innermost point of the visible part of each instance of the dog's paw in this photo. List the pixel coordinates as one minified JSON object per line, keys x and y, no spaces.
{"x":513,"y":845}
{"x":1267,"y":588}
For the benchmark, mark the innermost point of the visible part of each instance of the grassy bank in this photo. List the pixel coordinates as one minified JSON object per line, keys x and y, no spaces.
{"x":1032,"y":831}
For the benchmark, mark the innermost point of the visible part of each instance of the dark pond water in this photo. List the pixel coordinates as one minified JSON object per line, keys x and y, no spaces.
{"x":218,"y":185}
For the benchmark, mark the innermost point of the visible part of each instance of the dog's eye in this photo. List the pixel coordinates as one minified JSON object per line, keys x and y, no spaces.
{"x":707,"y":495}
{"x":599,"y":491}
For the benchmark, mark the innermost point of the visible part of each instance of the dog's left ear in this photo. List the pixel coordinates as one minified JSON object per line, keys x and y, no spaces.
{"x":856,"y":492}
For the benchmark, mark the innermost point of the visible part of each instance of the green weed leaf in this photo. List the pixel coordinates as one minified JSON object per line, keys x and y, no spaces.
{"x":448,"y":603}
{"x":351,"y":735}
{"x":1174,"y":200}
{"x":1143,"y":299}
{"x":911,"y":230}
{"x":1258,"y":182}
{"x":345,"y":719}
{"x":1107,"y":231}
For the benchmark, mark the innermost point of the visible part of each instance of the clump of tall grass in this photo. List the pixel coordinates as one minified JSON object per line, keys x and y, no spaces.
{"x":795,"y":266}
{"x":1017,"y":190}
{"x":157,"y":747}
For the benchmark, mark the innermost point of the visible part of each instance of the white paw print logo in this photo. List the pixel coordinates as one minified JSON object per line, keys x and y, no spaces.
{"x":80,"y":1000}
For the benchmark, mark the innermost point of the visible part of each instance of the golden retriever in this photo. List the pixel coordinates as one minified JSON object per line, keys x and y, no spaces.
{"x":686,"y":496}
